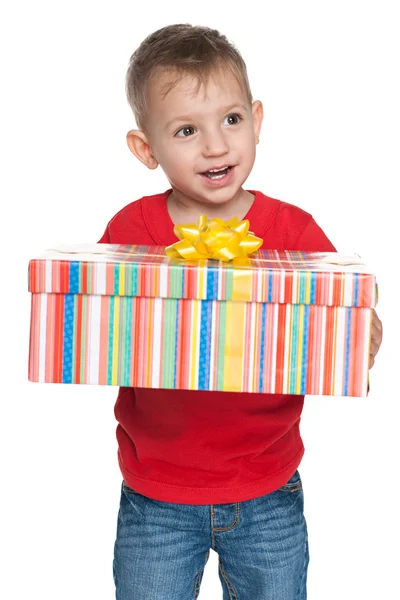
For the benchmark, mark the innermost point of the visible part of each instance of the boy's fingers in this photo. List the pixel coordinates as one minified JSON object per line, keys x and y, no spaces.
{"x":374,"y":348}
{"x":376,"y":321}
{"x":376,"y":335}
{"x":376,"y":339}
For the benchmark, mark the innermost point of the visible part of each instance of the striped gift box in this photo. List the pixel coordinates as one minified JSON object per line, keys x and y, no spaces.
{"x":285,"y":322}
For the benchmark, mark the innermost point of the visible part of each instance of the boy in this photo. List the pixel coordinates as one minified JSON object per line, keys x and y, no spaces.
{"x":200,"y":469}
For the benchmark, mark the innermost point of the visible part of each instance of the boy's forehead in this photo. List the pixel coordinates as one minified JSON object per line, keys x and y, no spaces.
{"x":170,"y":90}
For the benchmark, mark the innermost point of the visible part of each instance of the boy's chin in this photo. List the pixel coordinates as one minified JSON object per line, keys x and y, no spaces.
{"x":219,"y":198}
{"x":211,"y":197}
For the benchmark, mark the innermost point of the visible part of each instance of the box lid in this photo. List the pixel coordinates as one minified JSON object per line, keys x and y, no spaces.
{"x":279,"y":276}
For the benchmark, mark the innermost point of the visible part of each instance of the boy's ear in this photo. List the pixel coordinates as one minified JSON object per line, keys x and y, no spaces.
{"x":258,"y":115}
{"x":139,"y":146}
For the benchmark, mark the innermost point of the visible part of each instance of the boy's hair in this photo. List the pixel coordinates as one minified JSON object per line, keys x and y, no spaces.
{"x":183,"y":49}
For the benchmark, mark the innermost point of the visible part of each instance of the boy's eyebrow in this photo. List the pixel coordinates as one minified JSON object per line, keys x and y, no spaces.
{"x":190,"y":117}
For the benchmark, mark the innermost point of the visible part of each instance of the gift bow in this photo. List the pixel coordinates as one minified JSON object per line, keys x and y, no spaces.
{"x":214,"y":238}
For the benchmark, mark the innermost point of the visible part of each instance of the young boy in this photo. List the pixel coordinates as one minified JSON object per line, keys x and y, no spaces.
{"x":201,"y":469}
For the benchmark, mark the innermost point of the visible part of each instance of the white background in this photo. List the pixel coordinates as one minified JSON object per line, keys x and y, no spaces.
{"x":328,"y":75}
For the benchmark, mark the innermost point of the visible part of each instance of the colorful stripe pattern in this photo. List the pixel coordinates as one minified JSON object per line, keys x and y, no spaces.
{"x":199,"y":344}
{"x":285,"y":322}
{"x":272,"y":276}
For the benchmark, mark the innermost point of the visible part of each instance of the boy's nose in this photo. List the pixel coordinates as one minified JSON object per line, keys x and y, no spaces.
{"x":215,"y":144}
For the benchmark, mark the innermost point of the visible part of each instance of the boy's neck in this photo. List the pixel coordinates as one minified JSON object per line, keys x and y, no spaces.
{"x":182,"y":209}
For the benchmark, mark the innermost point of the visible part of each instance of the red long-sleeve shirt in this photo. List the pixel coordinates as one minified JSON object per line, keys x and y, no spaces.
{"x":198,"y":447}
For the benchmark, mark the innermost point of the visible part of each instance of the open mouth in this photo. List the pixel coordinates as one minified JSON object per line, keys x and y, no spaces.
{"x":217,"y":174}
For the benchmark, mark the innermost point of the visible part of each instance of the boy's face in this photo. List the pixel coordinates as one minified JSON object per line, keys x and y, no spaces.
{"x":190,"y":134}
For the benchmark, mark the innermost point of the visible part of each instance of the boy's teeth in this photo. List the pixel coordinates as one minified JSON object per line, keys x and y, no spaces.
{"x":217,"y":173}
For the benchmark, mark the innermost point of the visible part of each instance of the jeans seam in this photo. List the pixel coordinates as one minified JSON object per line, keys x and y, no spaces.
{"x":229,"y":585}
{"x":289,"y":489}
{"x":197,"y":586}
{"x":304,"y":571}
{"x":232,"y":525}
{"x":198,"y":579}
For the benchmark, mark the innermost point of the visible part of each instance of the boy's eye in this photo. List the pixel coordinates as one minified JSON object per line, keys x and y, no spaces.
{"x":186,"y":131}
{"x":236,"y":119}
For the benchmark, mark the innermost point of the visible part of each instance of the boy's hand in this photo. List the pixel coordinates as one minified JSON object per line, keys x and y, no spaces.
{"x":376,"y":338}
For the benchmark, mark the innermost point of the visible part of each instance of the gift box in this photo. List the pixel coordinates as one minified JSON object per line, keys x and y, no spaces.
{"x":280,"y":322}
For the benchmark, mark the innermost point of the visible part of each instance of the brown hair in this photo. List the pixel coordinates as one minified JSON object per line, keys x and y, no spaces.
{"x":186,"y":50}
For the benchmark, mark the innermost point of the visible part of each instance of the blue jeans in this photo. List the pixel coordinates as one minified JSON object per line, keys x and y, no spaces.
{"x":162,"y":548}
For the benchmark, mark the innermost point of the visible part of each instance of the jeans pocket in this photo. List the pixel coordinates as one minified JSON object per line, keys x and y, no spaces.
{"x":293,"y":485}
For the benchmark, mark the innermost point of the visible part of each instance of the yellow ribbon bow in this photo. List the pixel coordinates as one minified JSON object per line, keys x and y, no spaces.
{"x":214,"y":238}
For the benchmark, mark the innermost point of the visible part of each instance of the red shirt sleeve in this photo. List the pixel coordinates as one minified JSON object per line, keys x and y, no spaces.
{"x":105,"y":238}
{"x":313,"y":239}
